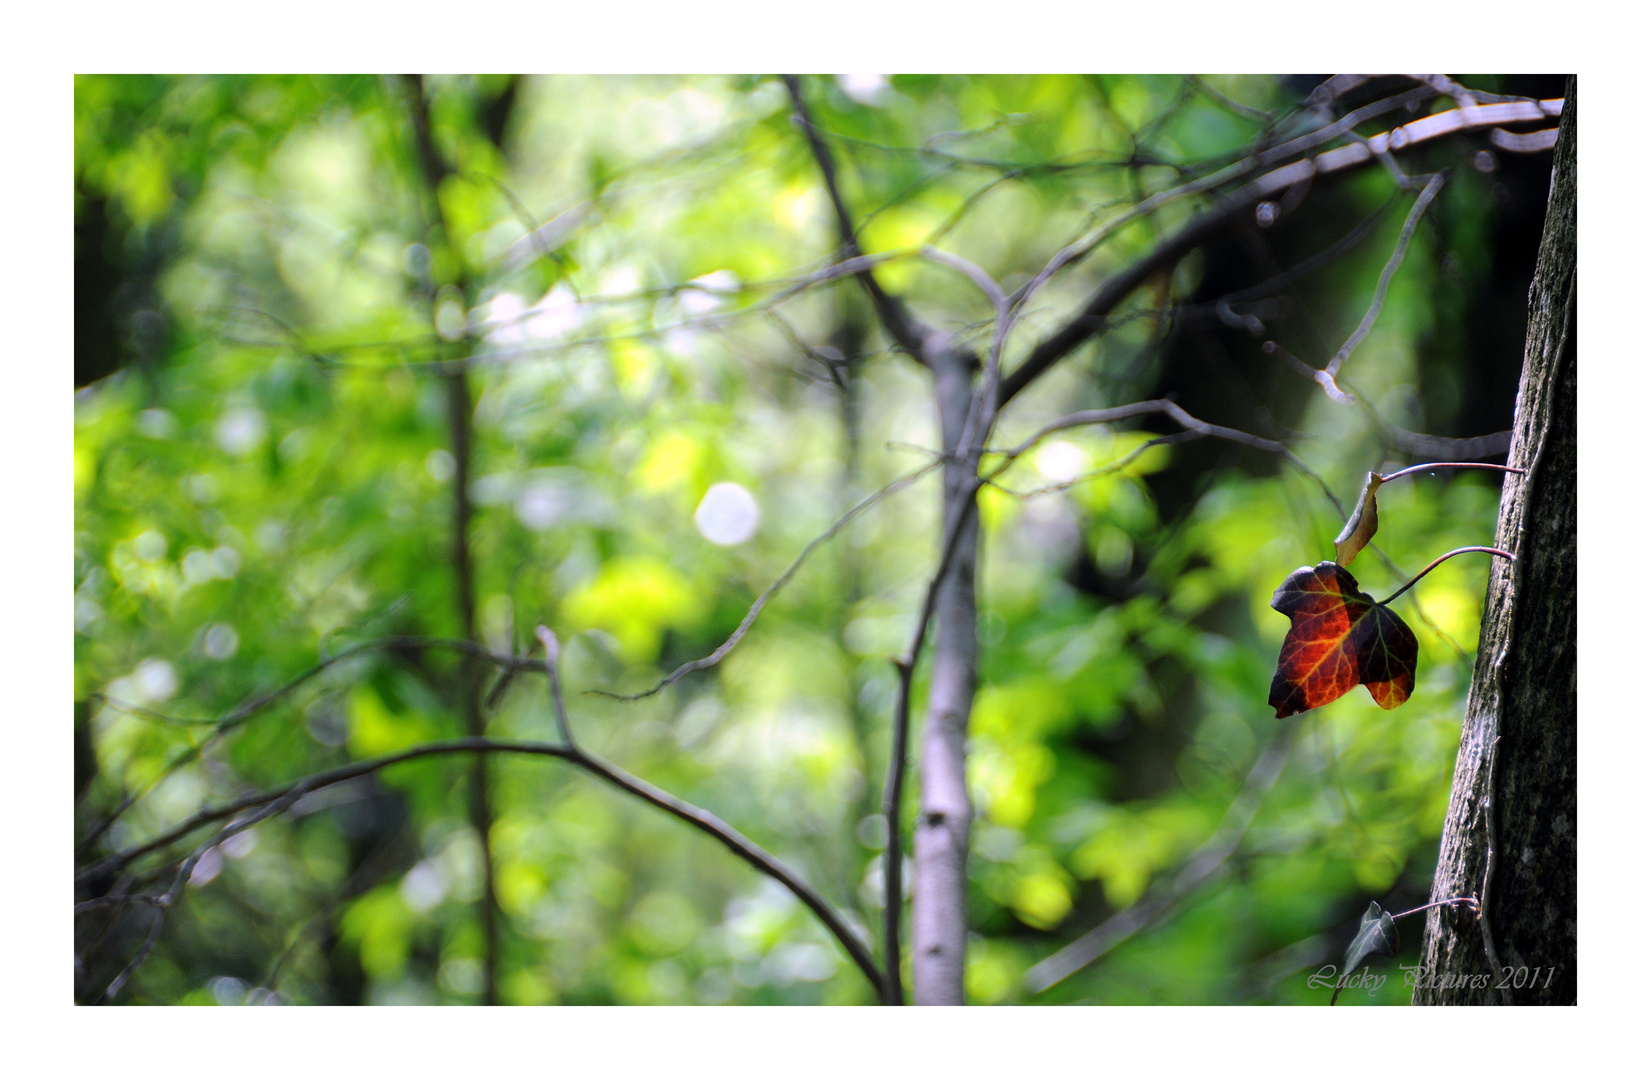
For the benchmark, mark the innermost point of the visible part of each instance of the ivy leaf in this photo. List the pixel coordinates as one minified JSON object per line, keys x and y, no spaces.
{"x":1339,"y":637}
{"x":1362,"y":525}
{"x":1377,"y":934}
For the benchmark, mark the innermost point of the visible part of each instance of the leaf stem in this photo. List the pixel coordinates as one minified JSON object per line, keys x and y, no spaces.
{"x":1470,"y":901}
{"x":1450,"y":465}
{"x":1447,"y":555}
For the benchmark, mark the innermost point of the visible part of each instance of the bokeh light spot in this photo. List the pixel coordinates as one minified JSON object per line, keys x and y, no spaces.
{"x":727,"y":515}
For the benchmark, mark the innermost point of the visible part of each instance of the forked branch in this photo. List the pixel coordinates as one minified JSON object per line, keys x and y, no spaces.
{"x":721,"y":651}
{"x":1169,"y":251}
{"x":906,"y":330}
{"x":247,"y":811}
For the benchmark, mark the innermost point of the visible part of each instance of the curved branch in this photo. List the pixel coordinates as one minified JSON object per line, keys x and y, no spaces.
{"x":1115,"y":465}
{"x":1187,"y":421}
{"x":1379,"y":298}
{"x":1237,"y":170}
{"x":261,"y":701}
{"x":1417,"y":444}
{"x":906,"y":329}
{"x":1171,"y":249}
{"x":268,"y":803}
{"x":1429,"y":466}
{"x":1508,"y":555}
{"x":761,"y":602}
{"x":1199,"y":868}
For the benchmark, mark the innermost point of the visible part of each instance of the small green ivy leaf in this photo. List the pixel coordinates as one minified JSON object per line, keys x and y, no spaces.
{"x":1377,"y":934}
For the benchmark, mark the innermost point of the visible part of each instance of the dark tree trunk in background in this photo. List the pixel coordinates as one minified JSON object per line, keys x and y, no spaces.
{"x":1510,"y":833}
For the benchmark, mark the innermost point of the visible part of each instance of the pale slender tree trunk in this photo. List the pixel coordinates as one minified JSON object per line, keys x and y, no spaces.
{"x":941,"y":835}
{"x":1511,"y":831}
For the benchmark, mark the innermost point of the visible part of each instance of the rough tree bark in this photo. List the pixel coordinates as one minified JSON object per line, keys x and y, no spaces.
{"x":1510,"y":833}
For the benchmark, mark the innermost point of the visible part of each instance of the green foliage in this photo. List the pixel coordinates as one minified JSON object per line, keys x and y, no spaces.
{"x":274,"y":486}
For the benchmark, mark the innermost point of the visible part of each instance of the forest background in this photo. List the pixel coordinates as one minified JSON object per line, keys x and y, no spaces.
{"x":662,"y":420}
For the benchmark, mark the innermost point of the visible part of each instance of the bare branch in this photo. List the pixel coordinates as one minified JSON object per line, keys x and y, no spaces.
{"x":460,"y":409}
{"x":1424,"y":571}
{"x":1180,"y":416}
{"x":1438,"y":446}
{"x":1328,"y":376}
{"x":1203,"y":865}
{"x":1533,"y":143}
{"x":983,"y":405}
{"x":247,"y":711}
{"x":1246,"y":166}
{"x":974,"y":273}
{"x":272,"y":802}
{"x":1354,"y":236}
{"x":553,"y":655}
{"x":907,"y":331}
{"x":1460,"y":94}
{"x":186,"y":870}
{"x":1249,"y":112}
{"x":1171,"y":249}
{"x":1110,"y":467}
{"x":761,"y":602}
{"x":259,"y":702}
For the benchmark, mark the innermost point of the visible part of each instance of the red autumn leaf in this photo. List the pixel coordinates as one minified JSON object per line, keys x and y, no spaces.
{"x":1339,"y":637}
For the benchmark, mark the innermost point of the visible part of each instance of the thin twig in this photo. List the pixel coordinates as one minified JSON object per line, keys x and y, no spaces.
{"x":788,"y":288}
{"x":1471,"y":902}
{"x":1508,"y":555}
{"x":1199,"y":868}
{"x":1327,"y":377}
{"x":983,"y":281}
{"x":250,"y":708}
{"x":1353,"y":238}
{"x":1115,"y":465}
{"x":1418,"y":444}
{"x":1249,"y":112}
{"x":907,"y":331}
{"x":1431,"y":465}
{"x":1180,"y":416}
{"x":186,"y":870}
{"x":274,"y":801}
{"x":983,"y":404}
{"x":1246,"y":166}
{"x":779,"y":583}
{"x":553,"y":653}
{"x":256,"y":704}
{"x":369,"y":873}
{"x":1115,"y":289}
{"x":123,"y":900}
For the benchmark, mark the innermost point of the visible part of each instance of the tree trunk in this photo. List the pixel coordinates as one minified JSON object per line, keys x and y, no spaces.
{"x":941,"y":841}
{"x":1511,"y":831}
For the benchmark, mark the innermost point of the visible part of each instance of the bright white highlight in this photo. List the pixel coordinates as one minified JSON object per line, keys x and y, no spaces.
{"x":240,"y":431}
{"x":864,"y":89}
{"x":706,"y":292}
{"x":1060,"y":461}
{"x":727,"y":515}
